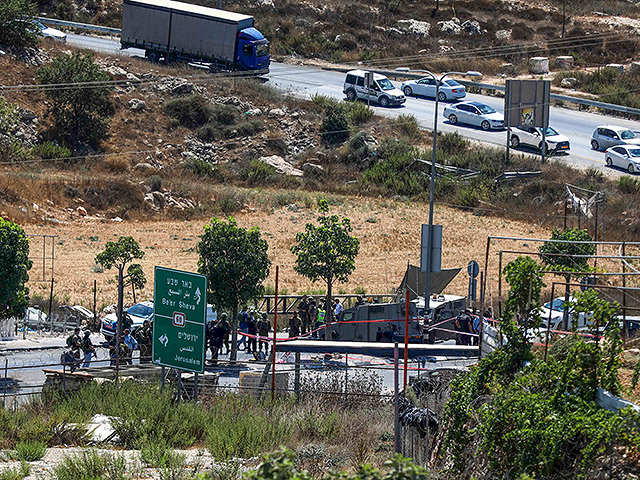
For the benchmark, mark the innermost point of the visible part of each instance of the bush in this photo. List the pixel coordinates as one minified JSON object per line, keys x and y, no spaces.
{"x":154,"y":182}
{"x":358,"y":113}
{"x":335,"y":125}
{"x":259,"y":172}
{"x":90,"y":465}
{"x":81,"y":115}
{"x":156,"y":453}
{"x":29,"y":451}
{"x":409,"y":126}
{"x":325,"y":101}
{"x":17,"y":32}
{"x":629,"y":185}
{"x":201,"y":168}
{"x":16,"y":474}
{"x":50,"y":150}
{"x":191,"y":112}
{"x":452,"y":143}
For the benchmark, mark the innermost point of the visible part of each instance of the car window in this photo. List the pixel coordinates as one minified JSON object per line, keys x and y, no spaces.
{"x":385,"y":84}
{"x":634,"y":152}
{"x":452,"y":83}
{"x":360,"y":81}
{"x":424,"y":81}
{"x":627,"y":135}
{"x":551,"y":131}
{"x":351,"y":79}
{"x":600,"y":131}
{"x":464,"y":108}
{"x":610,"y":133}
{"x":485,"y":109}
{"x":140,"y":310}
{"x":532,"y":130}
{"x":619,"y":150}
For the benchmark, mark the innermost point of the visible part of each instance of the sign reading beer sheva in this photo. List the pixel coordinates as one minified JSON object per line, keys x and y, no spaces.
{"x":180,"y":308}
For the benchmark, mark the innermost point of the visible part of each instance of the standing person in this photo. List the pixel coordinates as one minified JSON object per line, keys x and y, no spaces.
{"x":338,"y":309}
{"x":303,"y":311}
{"x":74,"y":342}
{"x":88,"y":349}
{"x":131,"y":343}
{"x":208,"y":338}
{"x":252,"y":330}
{"x":145,"y":340}
{"x":359,"y":301}
{"x":319,"y":323}
{"x":294,"y":326}
{"x":243,"y":316}
{"x":475,"y":326}
{"x":217,"y":339}
{"x":312,"y":312}
{"x":113,"y":352}
{"x":224,"y":325}
{"x":463,"y":325}
{"x":263,"y":331}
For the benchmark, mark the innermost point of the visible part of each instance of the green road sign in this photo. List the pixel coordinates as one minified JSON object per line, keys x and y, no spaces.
{"x":180,"y":309}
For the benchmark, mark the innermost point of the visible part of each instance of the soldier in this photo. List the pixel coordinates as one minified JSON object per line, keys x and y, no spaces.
{"x":88,"y":349}
{"x":145,"y":339}
{"x":252,"y":330}
{"x":263,"y":331}
{"x":304,"y":314}
{"x":131,"y":344}
{"x":224,"y":325}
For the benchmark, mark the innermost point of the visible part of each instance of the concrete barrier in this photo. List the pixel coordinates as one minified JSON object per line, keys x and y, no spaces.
{"x":539,"y":65}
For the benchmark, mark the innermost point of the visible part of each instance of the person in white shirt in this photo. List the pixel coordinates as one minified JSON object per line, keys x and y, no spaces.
{"x":338,"y":310}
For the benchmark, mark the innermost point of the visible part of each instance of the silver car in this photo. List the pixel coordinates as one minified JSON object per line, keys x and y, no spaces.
{"x":51,"y":33}
{"x":449,"y":89}
{"x":609,"y":136}
{"x":474,"y":113}
{"x":625,"y":156}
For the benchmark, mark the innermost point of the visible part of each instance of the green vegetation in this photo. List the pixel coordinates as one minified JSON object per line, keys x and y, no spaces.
{"x":339,"y":118}
{"x":16,"y":32}
{"x":16,"y":473}
{"x":91,"y":465}
{"x":80,"y":116}
{"x":608,"y":84}
{"x":554,"y":252}
{"x":29,"y":451}
{"x":259,"y":173}
{"x":14,"y":265}
{"x":157,"y":453}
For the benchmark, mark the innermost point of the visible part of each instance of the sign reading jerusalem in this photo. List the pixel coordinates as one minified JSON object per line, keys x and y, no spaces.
{"x":180,"y":309}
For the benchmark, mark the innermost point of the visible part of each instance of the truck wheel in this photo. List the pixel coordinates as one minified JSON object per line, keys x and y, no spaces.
{"x":153,"y":56}
{"x":351,"y":95}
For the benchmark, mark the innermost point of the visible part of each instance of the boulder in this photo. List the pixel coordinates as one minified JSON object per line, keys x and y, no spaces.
{"x":564,"y":62}
{"x":313,"y":170}
{"x":281,"y":165}
{"x":182,"y":87}
{"x":137,"y":105}
{"x":568,"y":82}
{"x":254,"y":112}
{"x":26,"y":115}
{"x":115,"y":72}
{"x":276,"y":112}
{"x":451,"y":27}
{"x":635,"y":67}
{"x":503,"y":35}
{"x":82,"y":211}
{"x":539,"y":65}
{"x":144,"y":167}
{"x":616,"y":67}
{"x":414,"y":27}
{"x":508,"y":69}
{"x":472,"y":27}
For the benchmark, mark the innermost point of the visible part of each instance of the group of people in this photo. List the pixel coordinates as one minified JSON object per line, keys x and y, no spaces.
{"x":141,"y":340}
{"x":468,"y":326}
{"x":79,"y":347}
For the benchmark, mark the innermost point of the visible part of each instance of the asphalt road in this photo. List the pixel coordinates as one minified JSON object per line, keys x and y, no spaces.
{"x":306,"y":81}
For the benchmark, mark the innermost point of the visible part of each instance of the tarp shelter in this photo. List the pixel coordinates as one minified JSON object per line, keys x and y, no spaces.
{"x":415,"y":280}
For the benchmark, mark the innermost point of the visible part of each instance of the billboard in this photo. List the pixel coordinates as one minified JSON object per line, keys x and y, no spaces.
{"x":526,"y":103}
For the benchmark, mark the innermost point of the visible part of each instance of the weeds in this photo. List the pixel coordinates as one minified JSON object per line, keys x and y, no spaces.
{"x":628,"y":185}
{"x":409,"y":126}
{"x":29,"y":451}
{"x":157,"y":453}
{"x":90,"y":465}
{"x":16,"y":473}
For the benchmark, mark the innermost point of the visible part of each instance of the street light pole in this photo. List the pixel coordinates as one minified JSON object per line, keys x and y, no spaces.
{"x":432,"y":182}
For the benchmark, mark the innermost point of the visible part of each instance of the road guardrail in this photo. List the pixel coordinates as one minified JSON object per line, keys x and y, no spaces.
{"x":82,"y":26}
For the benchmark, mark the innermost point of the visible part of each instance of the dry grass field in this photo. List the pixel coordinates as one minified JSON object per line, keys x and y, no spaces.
{"x":389,"y":232}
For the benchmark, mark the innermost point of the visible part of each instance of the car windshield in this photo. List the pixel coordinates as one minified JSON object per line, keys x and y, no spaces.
{"x":385,"y":84}
{"x":627,"y":135}
{"x":262,"y":50}
{"x":484,"y":108}
{"x":140,"y":310}
{"x":634,"y":152}
{"x":452,"y":83}
{"x":557,"y":304}
{"x":550,"y":132}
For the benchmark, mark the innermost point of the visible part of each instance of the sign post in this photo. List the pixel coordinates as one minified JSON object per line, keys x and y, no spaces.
{"x":180,"y":309}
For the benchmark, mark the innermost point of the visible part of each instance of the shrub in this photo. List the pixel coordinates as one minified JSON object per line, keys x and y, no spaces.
{"x":154,"y":182}
{"x":29,"y":451}
{"x":357,"y":113}
{"x":157,"y":453}
{"x":16,"y":32}
{"x":81,"y":115}
{"x":16,"y":474}
{"x":90,"y":465}
{"x":409,"y":126}
{"x":191,"y":112}
{"x":324,"y":101}
{"x":452,"y":143}
{"x":50,"y":150}
{"x":628,"y":184}
{"x":202,"y":168}
{"x":335,"y":125}
{"x":259,"y":172}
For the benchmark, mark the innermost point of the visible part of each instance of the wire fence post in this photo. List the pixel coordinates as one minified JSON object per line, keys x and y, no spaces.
{"x":162,"y":373}
{"x":179,"y":386}
{"x":296,"y":377}
{"x":346,"y":377}
{"x":95,"y":298}
{"x":396,"y":399}
{"x":406,"y":337}
{"x":51,"y":298}
{"x":195,"y":388}
{"x":64,"y":375}
{"x":275,"y":339}
{"x":6,"y":380}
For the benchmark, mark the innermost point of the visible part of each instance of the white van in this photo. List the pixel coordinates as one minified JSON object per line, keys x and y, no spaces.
{"x":382,"y":91}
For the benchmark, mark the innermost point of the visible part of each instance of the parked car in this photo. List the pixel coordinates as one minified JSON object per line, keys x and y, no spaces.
{"x":557,"y":312}
{"x":609,"y":136}
{"x":382,"y":91}
{"x":52,"y":33}
{"x":139,"y":313}
{"x":624,"y":156}
{"x":474,"y":113}
{"x":532,"y":137}
{"x":449,"y":89}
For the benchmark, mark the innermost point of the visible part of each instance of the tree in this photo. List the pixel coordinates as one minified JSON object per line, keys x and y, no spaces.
{"x":120,"y":254}
{"x":235,"y":262}
{"x":14,"y":268}
{"x":16,"y":30}
{"x":335,"y":125}
{"x":524,"y":276}
{"x":571,"y":258}
{"x":326,"y":252}
{"x":80,"y":115}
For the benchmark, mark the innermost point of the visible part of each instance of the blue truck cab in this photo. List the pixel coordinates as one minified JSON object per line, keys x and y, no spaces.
{"x":253,"y":50}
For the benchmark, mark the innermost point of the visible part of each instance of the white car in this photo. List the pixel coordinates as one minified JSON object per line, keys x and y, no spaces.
{"x":449,"y":89}
{"x":52,"y":33}
{"x":382,"y":91}
{"x":474,"y":113}
{"x":532,"y":137}
{"x":625,"y":156}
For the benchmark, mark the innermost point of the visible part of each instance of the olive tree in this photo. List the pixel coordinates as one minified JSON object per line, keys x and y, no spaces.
{"x":16,"y":30}
{"x":235,"y":262}
{"x":14,"y":270}
{"x":118,"y":255}
{"x":568,"y":252}
{"x":326,"y":252}
{"x":80,"y":115}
